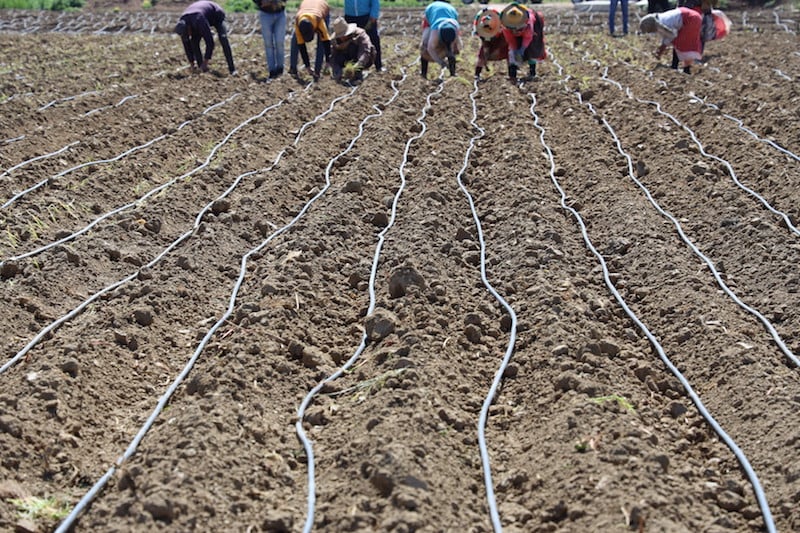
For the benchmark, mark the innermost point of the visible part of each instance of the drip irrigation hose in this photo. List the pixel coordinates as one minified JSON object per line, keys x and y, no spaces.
{"x":99,"y":109}
{"x":149,"y":194}
{"x":743,"y":461}
{"x":740,"y":124}
{"x":37,"y":158}
{"x":67,"y":523}
{"x":498,"y":376}
{"x":67,"y":99}
{"x":717,"y":276}
{"x":99,"y":161}
{"x":301,"y":434}
{"x":77,"y":310}
{"x":731,"y":172}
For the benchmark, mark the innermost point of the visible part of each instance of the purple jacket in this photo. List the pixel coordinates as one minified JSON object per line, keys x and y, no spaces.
{"x":199,"y":18}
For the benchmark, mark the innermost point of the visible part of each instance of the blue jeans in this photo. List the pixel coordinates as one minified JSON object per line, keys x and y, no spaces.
{"x":273,"y":30}
{"x":612,"y":12}
{"x":294,"y":50}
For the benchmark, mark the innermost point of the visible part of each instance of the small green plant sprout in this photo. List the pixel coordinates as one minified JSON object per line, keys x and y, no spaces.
{"x":621,"y":401}
{"x":362,"y":389}
{"x":350,"y":70}
{"x":35,"y":508}
{"x":581,"y":446}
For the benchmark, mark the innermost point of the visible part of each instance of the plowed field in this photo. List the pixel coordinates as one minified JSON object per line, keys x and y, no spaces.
{"x":433,"y":305}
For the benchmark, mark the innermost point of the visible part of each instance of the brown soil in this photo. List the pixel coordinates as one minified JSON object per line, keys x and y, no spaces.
{"x":236,"y":241}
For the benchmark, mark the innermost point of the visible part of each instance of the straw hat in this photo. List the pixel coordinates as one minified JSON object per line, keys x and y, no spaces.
{"x":514,"y":16}
{"x":342,"y":29}
{"x":487,"y":23}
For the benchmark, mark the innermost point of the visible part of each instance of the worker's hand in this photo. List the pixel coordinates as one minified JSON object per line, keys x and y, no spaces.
{"x":327,"y":68}
{"x":660,"y":51}
{"x":371,"y":24}
{"x":204,"y":66}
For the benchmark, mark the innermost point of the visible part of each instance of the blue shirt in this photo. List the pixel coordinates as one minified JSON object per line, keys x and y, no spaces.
{"x":439,"y":12}
{"x":359,"y":8}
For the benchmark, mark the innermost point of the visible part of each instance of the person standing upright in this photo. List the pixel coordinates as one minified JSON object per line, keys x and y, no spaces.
{"x":612,"y":15}
{"x":365,"y":14}
{"x":195,"y":24}
{"x":272,"y":15}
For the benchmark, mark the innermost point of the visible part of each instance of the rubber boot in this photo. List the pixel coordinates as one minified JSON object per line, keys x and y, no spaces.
{"x":424,"y":68}
{"x":674,"y":60}
{"x":532,"y":74}
{"x":512,"y":73}
{"x":478,"y":72}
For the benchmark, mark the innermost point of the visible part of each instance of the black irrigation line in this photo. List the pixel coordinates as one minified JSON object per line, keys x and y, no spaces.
{"x":65,"y":525}
{"x":122,"y":155}
{"x":738,"y":453}
{"x":301,"y":434}
{"x":148,"y":195}
{"x":491,"y":395}
{"x":678,"y":227}
{"x":740,"y":123}
{"x":74,"y":312}
{"x":710,"y":264}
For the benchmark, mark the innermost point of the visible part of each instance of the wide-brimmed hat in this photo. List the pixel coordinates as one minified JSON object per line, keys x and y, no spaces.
{"x":181,"y":28}
{"x":515,"y":17}
{"x":341,"y":28}
{"x":487,"y":23}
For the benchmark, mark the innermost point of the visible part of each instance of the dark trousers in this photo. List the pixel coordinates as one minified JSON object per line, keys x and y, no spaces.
{"x":294,"y":49}
{"x":657,"y":6}
{"x":222,"y":31}
{"x":361,"y":21}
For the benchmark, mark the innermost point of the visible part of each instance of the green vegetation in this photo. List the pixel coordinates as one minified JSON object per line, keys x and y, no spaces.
{"x":621,"y":401}
{"x":36,"y":508}
{"x":50,"y":5}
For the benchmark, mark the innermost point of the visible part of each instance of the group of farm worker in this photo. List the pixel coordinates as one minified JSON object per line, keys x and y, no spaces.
{"x":514,"y":34}
{"x":353,"y":46}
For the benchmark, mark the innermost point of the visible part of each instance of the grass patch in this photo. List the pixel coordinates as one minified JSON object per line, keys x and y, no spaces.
{"x":621,"y":401}
{"x":35,"y":508}
{"x":49,"y":5}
